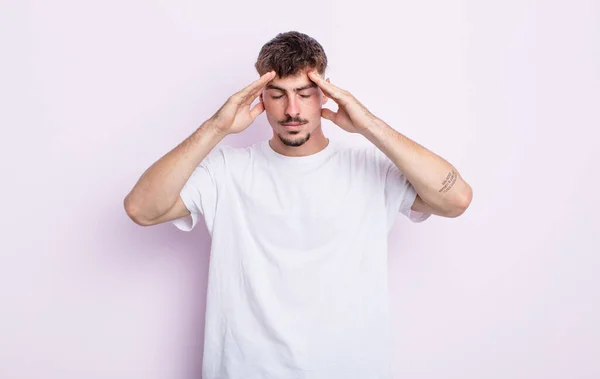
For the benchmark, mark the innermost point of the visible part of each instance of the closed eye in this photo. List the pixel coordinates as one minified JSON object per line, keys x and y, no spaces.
{"x":278,"y":97}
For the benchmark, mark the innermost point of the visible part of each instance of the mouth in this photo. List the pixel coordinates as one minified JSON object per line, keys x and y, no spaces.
{"x":293,"y":125}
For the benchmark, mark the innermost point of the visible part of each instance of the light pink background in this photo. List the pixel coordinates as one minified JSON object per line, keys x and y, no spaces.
{"x":92,"y":93}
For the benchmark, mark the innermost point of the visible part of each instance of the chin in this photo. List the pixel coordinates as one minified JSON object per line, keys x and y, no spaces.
{"x":294,"y":140}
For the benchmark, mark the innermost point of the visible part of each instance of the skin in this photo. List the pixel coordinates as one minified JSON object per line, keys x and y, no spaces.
{"x":155,"y":197}
{"x":284,"y":102}
{"x":440,"y":189}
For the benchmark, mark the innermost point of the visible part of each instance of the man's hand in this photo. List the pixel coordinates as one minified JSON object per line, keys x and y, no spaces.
{"x":235,"y":115}
{"x":351,"y":116}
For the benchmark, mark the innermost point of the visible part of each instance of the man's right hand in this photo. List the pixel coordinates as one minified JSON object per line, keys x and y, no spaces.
{"x":235,"y":115}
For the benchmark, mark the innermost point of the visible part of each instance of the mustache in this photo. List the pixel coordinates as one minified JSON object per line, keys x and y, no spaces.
{"x":298,"y":120}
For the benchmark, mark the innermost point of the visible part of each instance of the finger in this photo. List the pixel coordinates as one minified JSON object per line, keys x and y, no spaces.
{"x":250,"y":93}
{"x":328,"y":114}
{"x":257,"y":109}
{"x":330,"y":90}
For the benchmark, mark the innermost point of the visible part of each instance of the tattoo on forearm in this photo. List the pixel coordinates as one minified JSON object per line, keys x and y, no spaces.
{"x":449,"y":181}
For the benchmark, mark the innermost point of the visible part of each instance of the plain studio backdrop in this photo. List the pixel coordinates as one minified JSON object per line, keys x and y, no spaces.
{"x":92,"y":93}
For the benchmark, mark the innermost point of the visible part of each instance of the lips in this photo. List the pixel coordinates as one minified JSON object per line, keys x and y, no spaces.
{"x":293,"y":124}
{"x":292,"y":127}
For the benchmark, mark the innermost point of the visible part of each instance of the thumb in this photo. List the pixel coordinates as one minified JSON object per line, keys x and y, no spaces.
{"x":328,"y":114}
{"x":257,"y":109}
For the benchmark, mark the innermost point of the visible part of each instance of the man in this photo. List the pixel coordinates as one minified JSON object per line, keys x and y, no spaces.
{"x":299,"y":223}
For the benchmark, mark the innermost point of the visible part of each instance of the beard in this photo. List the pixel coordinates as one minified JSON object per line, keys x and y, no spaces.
{"x":294,"y":142}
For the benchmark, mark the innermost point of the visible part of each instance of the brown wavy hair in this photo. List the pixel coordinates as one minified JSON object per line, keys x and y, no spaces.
{"x":289,"y":53}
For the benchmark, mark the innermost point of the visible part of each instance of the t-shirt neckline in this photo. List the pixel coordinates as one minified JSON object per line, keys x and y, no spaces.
{"x":302,"y":160}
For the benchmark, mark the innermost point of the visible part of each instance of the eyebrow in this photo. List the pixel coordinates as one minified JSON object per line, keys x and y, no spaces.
{"x":311,"y":85}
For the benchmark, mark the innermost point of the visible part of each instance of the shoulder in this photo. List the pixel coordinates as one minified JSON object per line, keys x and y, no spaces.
{"x":368,"y":156}
{"x":229,"y":152}
{"x":356,"y":152}
{"x":229,"y":157}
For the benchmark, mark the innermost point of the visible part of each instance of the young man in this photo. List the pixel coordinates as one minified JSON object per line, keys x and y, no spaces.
{"x":299,"y":223}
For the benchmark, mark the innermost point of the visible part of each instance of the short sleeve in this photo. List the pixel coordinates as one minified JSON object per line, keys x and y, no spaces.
{"x":399,"y":193}
{"x":200,"y":192}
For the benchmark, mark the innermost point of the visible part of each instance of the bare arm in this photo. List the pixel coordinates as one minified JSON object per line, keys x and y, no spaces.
{"x":156,"y":193}
{"x":155,"y":197}
{"x":440,"y":188}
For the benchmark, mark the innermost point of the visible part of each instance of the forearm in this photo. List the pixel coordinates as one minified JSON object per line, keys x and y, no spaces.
{"x":159,"y":186}
{"x":436,"y":181}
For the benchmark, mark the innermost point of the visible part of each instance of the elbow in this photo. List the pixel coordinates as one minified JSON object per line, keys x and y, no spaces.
{"x":463,"y":203}
{"x":133,"y":213}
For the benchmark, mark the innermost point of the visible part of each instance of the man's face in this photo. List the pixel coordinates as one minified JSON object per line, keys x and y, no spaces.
{"x":296,"y":101}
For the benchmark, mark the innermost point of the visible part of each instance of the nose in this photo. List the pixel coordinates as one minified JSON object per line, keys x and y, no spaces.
{"x":292,"y":109}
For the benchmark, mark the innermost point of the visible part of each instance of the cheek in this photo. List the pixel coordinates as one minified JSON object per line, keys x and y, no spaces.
{"x":314,"y":107}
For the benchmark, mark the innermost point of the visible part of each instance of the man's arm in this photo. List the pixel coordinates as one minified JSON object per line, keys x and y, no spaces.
{"x":440,"y":188}
{"x":155,"y":197}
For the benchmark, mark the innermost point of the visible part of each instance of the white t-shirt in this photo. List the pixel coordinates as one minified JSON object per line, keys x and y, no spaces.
{"x":298,"y":284}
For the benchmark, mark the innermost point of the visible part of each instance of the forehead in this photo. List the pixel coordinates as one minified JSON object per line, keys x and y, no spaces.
{"x":291,"y":83}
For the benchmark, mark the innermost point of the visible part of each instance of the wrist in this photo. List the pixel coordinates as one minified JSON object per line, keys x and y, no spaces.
{"x":373,"y":128}
{"x":215,"y":128}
